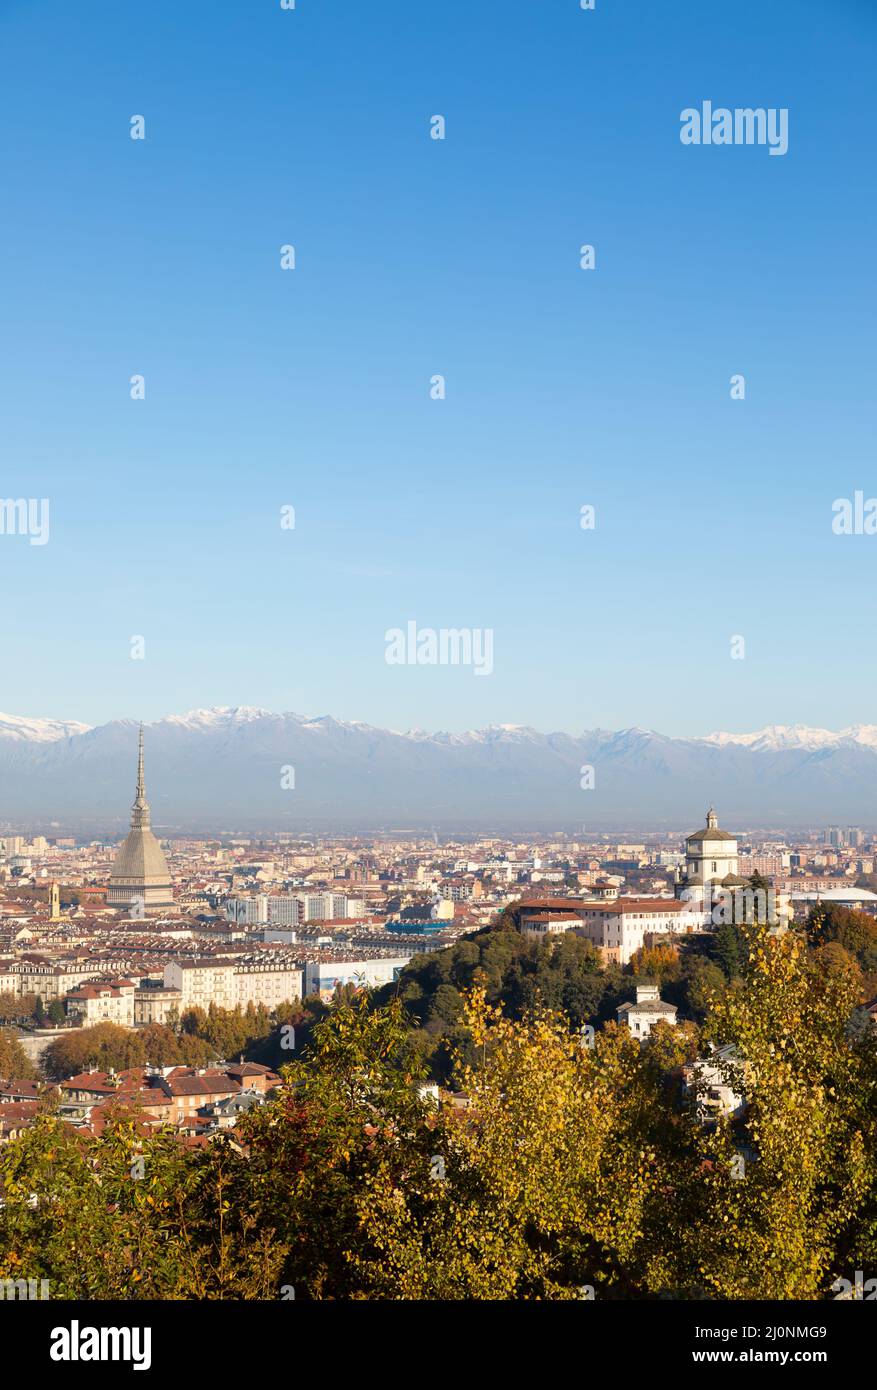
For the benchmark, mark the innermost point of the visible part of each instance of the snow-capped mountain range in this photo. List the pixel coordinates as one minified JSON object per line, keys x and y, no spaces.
{"x":777,"y":736}
{"x":228,"y":768}
{"x":38,"y":730}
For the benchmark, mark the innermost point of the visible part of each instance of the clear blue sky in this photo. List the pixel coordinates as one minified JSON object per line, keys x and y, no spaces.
{"x":417,"y":257}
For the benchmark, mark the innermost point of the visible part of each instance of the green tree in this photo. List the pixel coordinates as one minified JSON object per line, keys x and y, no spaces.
{"x":447,"y":1004}
{"x":729,"y":949}
{"x":703,"y":982}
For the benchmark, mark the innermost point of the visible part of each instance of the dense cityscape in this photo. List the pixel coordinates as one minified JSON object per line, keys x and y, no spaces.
{"x":575,"y":1066}
{"x":146,"y":936}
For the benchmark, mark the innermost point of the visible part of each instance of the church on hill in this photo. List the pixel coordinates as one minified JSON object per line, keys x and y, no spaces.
{"x":710,"y":865}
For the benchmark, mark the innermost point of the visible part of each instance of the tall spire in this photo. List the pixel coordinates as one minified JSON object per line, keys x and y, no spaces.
{"x":140,"y":809}
{"x":140,"y":880}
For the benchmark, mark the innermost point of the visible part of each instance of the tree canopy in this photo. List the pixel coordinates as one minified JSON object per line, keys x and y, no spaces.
{"x":571,"y":1164}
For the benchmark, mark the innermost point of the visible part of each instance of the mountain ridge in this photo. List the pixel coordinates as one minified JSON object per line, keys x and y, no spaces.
{"x":776,"y":736}
{"x":228,"y":767}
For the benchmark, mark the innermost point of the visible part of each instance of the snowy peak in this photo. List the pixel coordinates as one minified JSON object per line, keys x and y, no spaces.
{"x":23,"y":730}
{"x":219,"y":717}
{"x":862,"y":733}
{"x":493,"y":733}
{"x":776,"y":737}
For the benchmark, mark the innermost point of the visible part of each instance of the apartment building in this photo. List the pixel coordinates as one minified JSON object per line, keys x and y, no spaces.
{"x":202,"y":982}
{"x":155,"y":1003}
{"x":52,"y":981}
{"x":262,"y":909}
{"x":768,"y":865}
{"x":164,"y":1094}
{"x":267,"y":982}
{"x":538,"y":925}
{"x":103,"y":1002}
{"x":231,"y":984}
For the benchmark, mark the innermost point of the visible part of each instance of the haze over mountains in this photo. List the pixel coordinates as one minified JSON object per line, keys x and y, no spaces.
{"x":223,"y":769}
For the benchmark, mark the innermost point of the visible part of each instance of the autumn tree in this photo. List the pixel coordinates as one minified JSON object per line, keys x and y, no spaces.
{"x":104,"y":1046}
{"x":131,"y":1215}
{"x":552,"y":1184}
{"x":577,"y":1165}
{"x":855,"y":931}
{"x":14,"y":1061}
{"x":659,"y":962}
{"x":785,"y":1223}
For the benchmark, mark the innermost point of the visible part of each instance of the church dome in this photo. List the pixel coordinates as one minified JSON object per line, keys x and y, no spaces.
{"x":710,"y":831}
{"x":140,"y":856}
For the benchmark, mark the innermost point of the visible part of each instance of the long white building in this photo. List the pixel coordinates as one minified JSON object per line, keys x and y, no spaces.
{"x":290,"y":910}
{"x":233,"y":984}
{"x":618,"y":928}
{"x":323,"y":976}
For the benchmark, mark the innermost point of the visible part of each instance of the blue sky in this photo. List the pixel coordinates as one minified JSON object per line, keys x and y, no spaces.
{"x":415,"y":257}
